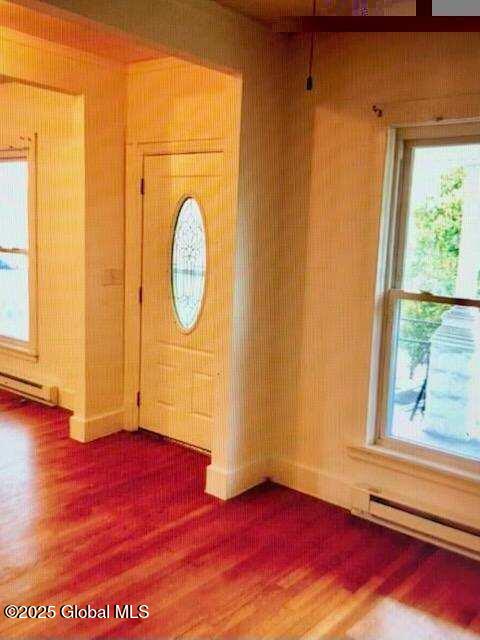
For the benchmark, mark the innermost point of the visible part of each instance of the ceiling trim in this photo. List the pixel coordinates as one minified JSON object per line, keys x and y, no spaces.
{"x":376,"y":23}
{"x":268,"y":11}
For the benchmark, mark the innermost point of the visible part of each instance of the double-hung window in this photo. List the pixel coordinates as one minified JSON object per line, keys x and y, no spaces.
{"x":17,"y":250}
{"x":429,"y":381}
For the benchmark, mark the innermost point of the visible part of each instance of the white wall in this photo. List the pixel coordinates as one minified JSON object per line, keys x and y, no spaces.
{"x":329,"y":253}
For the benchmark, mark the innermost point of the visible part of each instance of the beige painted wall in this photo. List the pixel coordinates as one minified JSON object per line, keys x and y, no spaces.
{"x":171,"y":100}
{"x":98,"y":304}
{"x":57,"y":119}
{"x":330,"y":240}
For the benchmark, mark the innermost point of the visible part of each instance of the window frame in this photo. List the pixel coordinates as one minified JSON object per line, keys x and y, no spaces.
{"x":397,"y":182}
{"x":24,"y":148}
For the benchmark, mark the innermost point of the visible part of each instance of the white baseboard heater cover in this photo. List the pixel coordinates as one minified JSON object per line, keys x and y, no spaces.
{"x":428,"y":527}
{"x":43,"y":393}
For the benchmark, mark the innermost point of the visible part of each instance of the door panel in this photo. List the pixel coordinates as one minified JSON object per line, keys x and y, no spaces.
{"x":179,"y":369}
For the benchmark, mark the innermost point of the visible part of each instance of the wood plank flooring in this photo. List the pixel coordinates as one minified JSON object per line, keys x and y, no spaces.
{"x":124,"y":520}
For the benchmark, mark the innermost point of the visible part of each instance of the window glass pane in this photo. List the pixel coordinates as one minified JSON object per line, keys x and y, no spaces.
{"x":435,"y":382}
{"x":189,"y":255}
{"x":14,"y":313}
{"x":14,"y":204}
{"x":441,"y":253}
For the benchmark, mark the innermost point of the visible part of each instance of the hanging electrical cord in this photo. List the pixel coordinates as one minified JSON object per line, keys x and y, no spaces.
{"x":312,"y":51}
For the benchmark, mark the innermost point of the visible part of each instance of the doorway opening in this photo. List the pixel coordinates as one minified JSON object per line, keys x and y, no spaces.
{"x":182,"y":173}
{"x":85,"y":335}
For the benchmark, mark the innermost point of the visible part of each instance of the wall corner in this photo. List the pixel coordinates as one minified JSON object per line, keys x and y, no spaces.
{"x":228,"y":483}
{"x":87,"y":429}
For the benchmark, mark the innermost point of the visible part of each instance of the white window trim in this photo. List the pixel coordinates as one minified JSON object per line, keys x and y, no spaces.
{"x":26,"y":147}
{"x":378,"y":445}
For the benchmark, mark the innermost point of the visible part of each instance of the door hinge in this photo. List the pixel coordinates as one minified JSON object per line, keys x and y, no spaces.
{"x":142,"y":186}
{"x":140,"y":295}
{"x":138,"y":398}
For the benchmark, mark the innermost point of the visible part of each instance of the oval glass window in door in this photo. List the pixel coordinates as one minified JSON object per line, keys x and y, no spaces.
{"x":189,"y":261}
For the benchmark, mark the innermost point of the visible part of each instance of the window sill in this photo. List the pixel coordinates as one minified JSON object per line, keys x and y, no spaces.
{"x":13,"y":351}
{"x":413,"y":466}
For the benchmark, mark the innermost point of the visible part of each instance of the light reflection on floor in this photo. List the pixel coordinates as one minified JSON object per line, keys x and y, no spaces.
{"x":18,"y":490}
{"x":392,"y":620}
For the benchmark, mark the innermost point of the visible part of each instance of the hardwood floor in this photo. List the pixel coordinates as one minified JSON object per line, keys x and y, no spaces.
{"x":124,"y":520}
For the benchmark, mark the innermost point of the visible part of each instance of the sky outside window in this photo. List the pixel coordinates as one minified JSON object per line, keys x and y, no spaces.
{"x":14,"y":290}
{"x":13,"y":204}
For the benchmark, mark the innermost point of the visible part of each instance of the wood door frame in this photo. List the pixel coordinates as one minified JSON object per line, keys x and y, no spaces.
{"x":135,"y":156}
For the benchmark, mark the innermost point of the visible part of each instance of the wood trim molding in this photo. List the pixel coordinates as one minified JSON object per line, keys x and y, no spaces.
{"x":173,"y":147}
{"x":423,"y":469}
{"x":349,"y":24}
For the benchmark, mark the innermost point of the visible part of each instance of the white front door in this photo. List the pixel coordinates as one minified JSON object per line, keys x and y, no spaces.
{"x":181,"y":280}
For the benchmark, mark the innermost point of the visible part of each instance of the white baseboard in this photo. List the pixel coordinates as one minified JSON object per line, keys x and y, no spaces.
{"x":311,"y":481}
{"x":87,"y":429}
{"x":66,"y":399}
{"x":130,"y":422}
{"x":226,"y":484}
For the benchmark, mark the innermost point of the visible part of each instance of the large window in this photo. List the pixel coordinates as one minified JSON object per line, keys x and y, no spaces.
{"x":430,"y":381}
{"x":17,"y":318}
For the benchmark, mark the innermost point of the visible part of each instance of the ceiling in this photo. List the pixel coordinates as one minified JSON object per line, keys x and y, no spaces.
{"x":86,"y":37}
{"x":268,"y":10}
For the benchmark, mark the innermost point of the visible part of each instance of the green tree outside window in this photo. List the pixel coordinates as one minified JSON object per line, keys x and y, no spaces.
{"x":433,"y":265}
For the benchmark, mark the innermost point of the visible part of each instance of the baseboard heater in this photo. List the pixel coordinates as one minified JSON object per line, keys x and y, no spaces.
{"x":22,"y":387}
{"x":420,"y":524}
